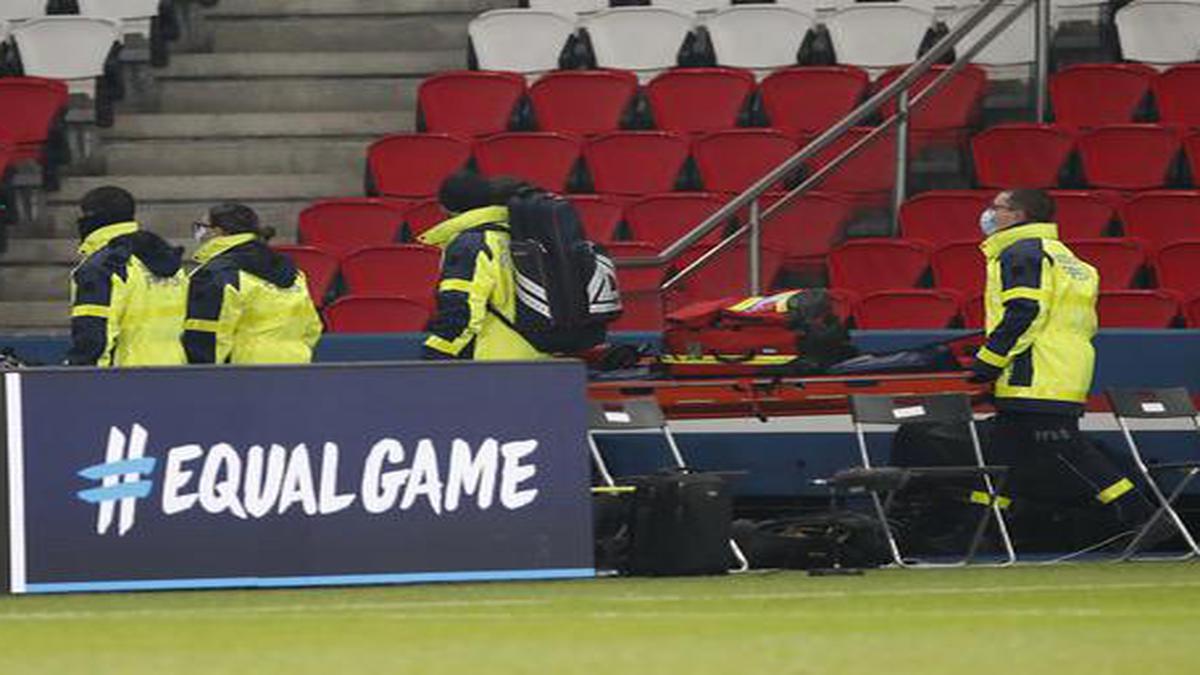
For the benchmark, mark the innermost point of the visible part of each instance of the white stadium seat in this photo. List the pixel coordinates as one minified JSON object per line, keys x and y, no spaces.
{"x":760,"y":37}
{"x":40,"y":45}
{"x":878,"y":36}
{"x":569,"y":6}
{"x":19,"y":10}
{"x":692,"y":6}
{"x":520,"y":40}
{"x":135,"y":15}
{"x":645,"y":40}
{"x":1159,"y":33}
{"x":1011,"y":53}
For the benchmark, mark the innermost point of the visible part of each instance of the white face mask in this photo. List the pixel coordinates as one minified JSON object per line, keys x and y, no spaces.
{"x":987,"y":222}
{"x":200,"y":232}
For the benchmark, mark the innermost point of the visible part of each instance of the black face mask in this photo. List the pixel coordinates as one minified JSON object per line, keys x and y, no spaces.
{"x":88,"y":223}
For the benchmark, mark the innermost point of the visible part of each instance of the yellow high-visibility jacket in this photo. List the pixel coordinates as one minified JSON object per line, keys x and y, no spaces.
{"x":127,"y":300}
{"x":248,"y":304}
{"x":1040,"y":305}
{"x":477,"y":285}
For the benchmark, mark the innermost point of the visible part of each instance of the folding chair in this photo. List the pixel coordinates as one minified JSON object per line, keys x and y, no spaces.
{"x":639,"y":414}
{"x":1157,"y":404}
{"x":943,"y":409}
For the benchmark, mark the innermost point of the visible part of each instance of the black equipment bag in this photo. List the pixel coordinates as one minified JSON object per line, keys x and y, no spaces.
{"x":566,"y":285}
{"x":820,"y":540}
{"x":682,"y":525}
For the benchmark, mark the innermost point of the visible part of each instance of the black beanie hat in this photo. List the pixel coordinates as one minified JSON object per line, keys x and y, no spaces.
{"x":234,"y":218}
{"x":463,"y":191}
{"x":104,"y":206}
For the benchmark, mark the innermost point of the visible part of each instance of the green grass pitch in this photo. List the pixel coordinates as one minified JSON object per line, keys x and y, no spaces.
{"x":1093,"y":619}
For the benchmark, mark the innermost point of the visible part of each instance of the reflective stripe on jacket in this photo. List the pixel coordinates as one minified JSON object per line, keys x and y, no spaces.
{"x":1040,"y":304}
{"x":127,"y":300}
{"x":477,"y":273}
{"x":248,"y":304}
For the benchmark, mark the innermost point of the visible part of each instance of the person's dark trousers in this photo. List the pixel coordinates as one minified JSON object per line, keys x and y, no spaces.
{"x":1066,"y":493}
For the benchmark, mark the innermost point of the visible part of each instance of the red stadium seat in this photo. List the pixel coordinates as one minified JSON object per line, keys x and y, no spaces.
{"x":1020,"y":155}
{"x":31,"y":108}
{"x":469,"y":102}
{"x":699,"y":100}
{"x":1119,"y":261}
{"x":1095,"y":94}
{"x":1191,"y":312}
{"x":338,"y":226}
{"x":1191,"y":146}
{"x":1137,"y":309}
{"x":1177,"y":95}
{"x":543,"y":158}
{"x":422,"y":216}
{"x":948,"y":112}
{"x":809,"y":100}
{"x":585,"y":102}
{"x":972,"y":311}
{"x":807,"y":228}
{"x":640,"y":311}
{"x":319,"y":267}
{"x":726,"y":274}
{"x":917,"y":308}
{"x":731,"y":161}
{"x":877,"y":264}
{"x":635,"y":162}
{"x":376,"y":314}
{"x":942,"y":216}
{"x":414,"y":165}
{"x":1161,"y":217}
{"x":1178,"y":266}
{"x":662,"y":219}
{"x":869,"y":174}
{"x":1128,"y":156}
{"x":960,"y":265}
{"x":600,"y":216}
{"x":410,"y":270}
{"x":636,"y":278}
{"x":1082,"y":214}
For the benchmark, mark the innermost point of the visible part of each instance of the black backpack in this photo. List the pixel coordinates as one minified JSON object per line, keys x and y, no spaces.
{"x":566,"y":285}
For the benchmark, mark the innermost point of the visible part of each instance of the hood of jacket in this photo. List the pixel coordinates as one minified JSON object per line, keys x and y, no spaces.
{"x":162,"y":259}
{"x":252,"y":256}
{"x":444,"y":232}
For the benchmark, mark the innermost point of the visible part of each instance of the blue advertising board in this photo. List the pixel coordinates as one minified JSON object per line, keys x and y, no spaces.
{"x":292,"y":476}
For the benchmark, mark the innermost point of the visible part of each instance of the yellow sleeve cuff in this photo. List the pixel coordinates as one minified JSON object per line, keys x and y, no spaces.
{"x":444,"y":346}
{"x":991,"y":358}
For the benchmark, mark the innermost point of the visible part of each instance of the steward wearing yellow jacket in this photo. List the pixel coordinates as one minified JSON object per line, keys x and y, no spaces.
{"x":476,"y":295}
{"x":246,"y":303}
{"x":128,"y":292}
{"x":1040,"y":306}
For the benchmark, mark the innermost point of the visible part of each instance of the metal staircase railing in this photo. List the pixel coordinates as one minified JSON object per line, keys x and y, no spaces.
{"x":897,"y":89}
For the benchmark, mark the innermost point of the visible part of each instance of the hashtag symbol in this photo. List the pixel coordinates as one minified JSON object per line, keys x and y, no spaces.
{"x":120,"y":477}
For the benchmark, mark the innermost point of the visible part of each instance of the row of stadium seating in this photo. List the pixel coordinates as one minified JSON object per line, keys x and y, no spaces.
{"x":874,"y":35}
{"x":136,"y":17}
{"x":881,"y":310}
{"x":1127,"y":157}
{"x":798,"y":100}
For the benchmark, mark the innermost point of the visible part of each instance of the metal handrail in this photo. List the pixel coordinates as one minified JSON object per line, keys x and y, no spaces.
{"x":899,"y":86}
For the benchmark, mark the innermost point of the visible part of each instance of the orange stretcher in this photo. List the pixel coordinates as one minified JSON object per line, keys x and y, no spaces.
{"x":767,"y":397}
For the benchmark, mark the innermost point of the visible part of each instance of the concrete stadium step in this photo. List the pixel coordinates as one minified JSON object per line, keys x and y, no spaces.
{"x":35,"y":316}
{"x":34,"y":282}
{"x":278,"y":94}
{"x":172,"y":220}
{"x":260,"y":8}
{"x":245,"y":65}
{"x":250,"y":125}
{"x":150,"y":189}
{"x":235,"y":156}
{"x":42,"y":251}
{"x":353,"y":32}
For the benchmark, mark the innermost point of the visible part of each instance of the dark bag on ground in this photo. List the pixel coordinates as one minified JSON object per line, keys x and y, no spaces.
{"x":817,"y":541}
{"x":681,"y":524}
{"x":566,"y":285}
